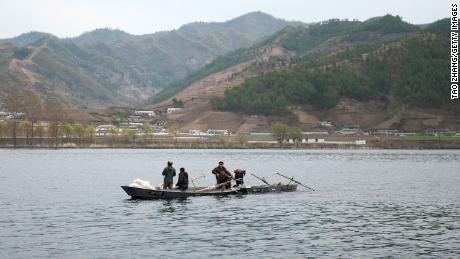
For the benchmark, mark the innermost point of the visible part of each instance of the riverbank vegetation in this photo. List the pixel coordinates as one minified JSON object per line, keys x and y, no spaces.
{"x":432,"y":138}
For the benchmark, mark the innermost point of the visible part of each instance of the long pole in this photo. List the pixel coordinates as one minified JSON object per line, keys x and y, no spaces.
{"x":262,"y":179}
{"x":297,"y":182}
{"x":212,"y":187}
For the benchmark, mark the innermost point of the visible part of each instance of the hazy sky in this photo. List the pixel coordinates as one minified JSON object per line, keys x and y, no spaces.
{"x":68,"y":18}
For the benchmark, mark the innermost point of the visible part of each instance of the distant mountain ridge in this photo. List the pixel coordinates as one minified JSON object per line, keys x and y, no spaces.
{"x":299,"y":40}
{"x":111,"y":67}
{"x":104,"y":35}
{"x":26,"y":38}
{"x":380,"y":73}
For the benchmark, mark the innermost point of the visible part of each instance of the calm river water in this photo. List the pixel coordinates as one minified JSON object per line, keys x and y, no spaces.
{"x":68,"y":203}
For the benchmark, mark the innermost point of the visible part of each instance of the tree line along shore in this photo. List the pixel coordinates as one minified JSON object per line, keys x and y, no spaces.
{"x":32,"y":123}
{"x":234,"y":142}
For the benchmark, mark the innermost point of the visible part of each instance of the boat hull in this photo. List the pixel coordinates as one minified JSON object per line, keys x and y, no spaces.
{"x":270,"y":188}
{"x":139,"y":193}
{"x":148,"y":194}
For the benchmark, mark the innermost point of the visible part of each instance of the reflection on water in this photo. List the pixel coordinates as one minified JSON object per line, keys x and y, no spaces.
{"x":68,"y":203}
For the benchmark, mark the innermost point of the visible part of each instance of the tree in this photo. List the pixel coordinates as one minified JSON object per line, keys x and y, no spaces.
{"x":177,"y":103}
{"x":55,"y":115}
{"x":26,"y":129}
{"x":22,"y":53}
{"x":33,"y":110}
{"x":281,"y":131}
{"x":40,"y":130}
{"x":91,"y":131}
{"x":4,"y":129}
{"x":67,"y":130}
{"x":128,"y":134}
{"x":54,"y":131}
{"x":113,"y":134}
{"x":113,"y":131}
{"x":149,"y":131}
{"x":173,"y":128}
{"x":243,"y":139}
{"x":295,"y":134}
{"x":79,"y":131}
{"x":14,"y":104}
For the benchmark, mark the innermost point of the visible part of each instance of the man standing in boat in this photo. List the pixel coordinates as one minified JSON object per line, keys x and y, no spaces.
{"x":182,"y":182}
{"x":222,"y":175}
{"x":169,"y":172}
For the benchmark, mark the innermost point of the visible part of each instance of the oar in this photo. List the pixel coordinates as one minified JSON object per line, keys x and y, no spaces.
{"x":297,"y":182}
{"x":212,"y":187}
{"x":262,"y":179}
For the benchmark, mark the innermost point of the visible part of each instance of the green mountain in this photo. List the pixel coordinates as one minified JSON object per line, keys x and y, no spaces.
{"x":328,"y":36}
{"x":106,"y":36}
{"x":26,"y":38}
{"x":111,"y":67}
{"x":411,"y":66}
{"x":328,"y":68}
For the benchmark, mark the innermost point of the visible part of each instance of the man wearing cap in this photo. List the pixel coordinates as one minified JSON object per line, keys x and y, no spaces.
{"x":222,"y":174}
{"x":169,"y":172}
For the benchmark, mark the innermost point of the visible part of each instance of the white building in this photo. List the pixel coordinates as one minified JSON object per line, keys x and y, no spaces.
{"x":315,"y":133}
{"x":5,"y":115}
{"x":313,"y":140}
{"x":135,"y":118}
{"x":327,"y":124}
{"x":137,"y":126}
{"x":350,"y":130}
{"x":11,"y":115}
{"x":171,"y":110}
{"x":195,"y":132}
{"x":218,"y":132}
{"x":103,"y":130}
{"x":145,"y":113}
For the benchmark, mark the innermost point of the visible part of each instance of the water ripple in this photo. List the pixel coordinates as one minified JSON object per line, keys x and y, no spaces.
{"x":367,"y":204}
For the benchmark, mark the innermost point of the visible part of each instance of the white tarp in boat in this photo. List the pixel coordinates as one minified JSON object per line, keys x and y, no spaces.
{"x":139,"y":183}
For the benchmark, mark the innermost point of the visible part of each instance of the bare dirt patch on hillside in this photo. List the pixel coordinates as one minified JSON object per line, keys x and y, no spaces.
{"x":201,"y":116}
{"x":88,"y":116}
{"x":305,"y":119}
{"x":214,"y":85}
{"x":366,"y":114}
{"x":21,"y":66}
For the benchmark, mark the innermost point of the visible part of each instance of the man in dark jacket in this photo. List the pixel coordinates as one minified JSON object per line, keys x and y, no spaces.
{"x":222,"y":175}
{"x":169,"y":172}
{"x":182,"y":182}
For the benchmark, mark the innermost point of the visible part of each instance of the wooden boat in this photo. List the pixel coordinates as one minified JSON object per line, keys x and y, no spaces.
{"x":140,"y":193}
{"x":269,"y":188}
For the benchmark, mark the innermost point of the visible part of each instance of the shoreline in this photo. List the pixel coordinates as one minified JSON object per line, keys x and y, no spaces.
{"x":393,"y":144}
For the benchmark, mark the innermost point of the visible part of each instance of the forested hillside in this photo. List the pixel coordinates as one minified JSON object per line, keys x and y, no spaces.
{"x":379,"y":73}
{"x":308,"y":44}
{"x":412,"y":68}
{"x":111,"y":67}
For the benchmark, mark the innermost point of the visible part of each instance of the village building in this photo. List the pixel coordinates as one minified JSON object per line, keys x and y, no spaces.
{"x":145,"y":113}
{"x":103,"y":130}
{"x":218,"y":132}
{"x":171,"y":110}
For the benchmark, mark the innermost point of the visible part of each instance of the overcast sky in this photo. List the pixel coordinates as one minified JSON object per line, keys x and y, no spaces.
{"x":68,"y":18}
